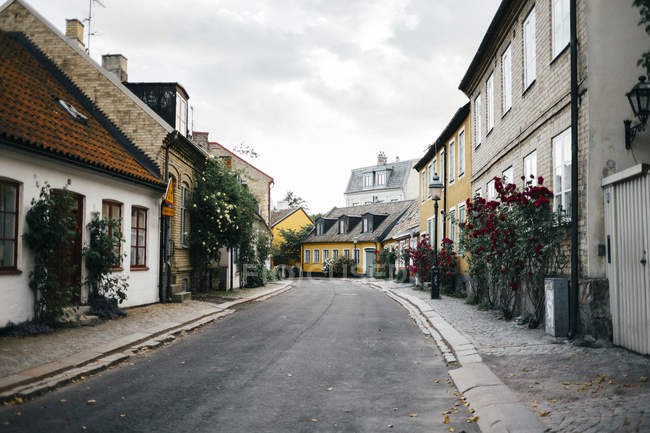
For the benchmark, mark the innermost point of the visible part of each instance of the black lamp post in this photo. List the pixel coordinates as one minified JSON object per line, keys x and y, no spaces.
{"x":434,"y":188}
{"x":639,"y":98}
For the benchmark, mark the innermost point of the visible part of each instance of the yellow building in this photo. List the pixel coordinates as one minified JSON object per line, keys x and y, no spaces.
{"x":356,"y":232}
{"x":288,"y":219}
{"x":450,"y":157}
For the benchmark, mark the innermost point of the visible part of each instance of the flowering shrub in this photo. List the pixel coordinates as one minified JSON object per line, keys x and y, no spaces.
{"x":448,"y":265}
{"x":385,"y":260}
{"x":422,"y":257}
{"x":343,"y":266}
{"x":513,"y":243}
{"x":328,"y":266}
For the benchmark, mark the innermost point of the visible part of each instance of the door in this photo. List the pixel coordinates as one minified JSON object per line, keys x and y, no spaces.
{"x":71,"y":256}
{"x":370,"y":263}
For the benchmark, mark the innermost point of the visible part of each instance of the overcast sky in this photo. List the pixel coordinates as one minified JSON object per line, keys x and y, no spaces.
{"x":317,"y":87}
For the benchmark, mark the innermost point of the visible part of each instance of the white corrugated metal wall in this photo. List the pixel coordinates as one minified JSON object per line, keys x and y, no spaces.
{"x":627,"y":217}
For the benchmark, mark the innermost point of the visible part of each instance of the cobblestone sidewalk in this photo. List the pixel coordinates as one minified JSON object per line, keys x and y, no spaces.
{"x":17,"y":354}
{"x":572,"y":389}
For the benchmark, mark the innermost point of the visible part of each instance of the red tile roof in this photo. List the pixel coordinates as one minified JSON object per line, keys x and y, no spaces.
{"x":31,"y":115}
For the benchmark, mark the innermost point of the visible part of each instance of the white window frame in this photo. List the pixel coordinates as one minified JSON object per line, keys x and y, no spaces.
{"x":316,"y":256}
{"x":380,"y":178}
{"x":491,"y":191}
{"x":346,"y":253}
{"x":357,"y":256}
{"x":506,"y":79}
{"x":367,"y":180}
{"x":185,"y":193}
{"x":461,"y":153}
{"x":431,"y":223}
{"x":429,"y":177}
{"x":341,"y":226}
{"x":489,"y":100}
{"x":508,"y":175}
{"x":335,"y":253}
{"x":560,"y":26}
{"x":181,"y":114}
{"x":530,"y":167}
{"x":451,"y":161}
{"x":477,"y":121}
{"x":441,"y":156}
{"x":452,"y":226}
{"x":423,"y":181}
{"x":462,"y":217}
{"x":529,"y":32}
{"x":307,"y":256}
{"x":326,"y":255}
{"x":562,"y":172}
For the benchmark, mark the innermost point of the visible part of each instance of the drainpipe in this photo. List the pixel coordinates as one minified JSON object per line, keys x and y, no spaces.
{"x":162,"y":288}
{"x":573,"y":300}
{"x":444,"y":203}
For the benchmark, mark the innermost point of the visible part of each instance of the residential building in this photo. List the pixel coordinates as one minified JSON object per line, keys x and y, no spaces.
{"x":50,"y":132}
{"x":404,"y":235}
{"x":519,"y":84}
{"x":384,"y":182}
{"x":450,"y":158}
{"x":294,"y":219}
{"x":356,"y":232}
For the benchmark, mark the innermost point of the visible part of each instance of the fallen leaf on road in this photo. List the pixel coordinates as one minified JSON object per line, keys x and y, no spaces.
{"x":446,"y":419}
{"x":545,"y":413}
{"x":567,"y":387}
{"x":644,"y":379}
{"x":471,"y":411}
{"x":396,"y":409}
{"x":122,"y":415}
{"x":566,"y":383}
{"x":452,"y":429}
{"x":84,"y":427}
{"x":63,"y":400}
{"x":554,"y":400}
{"x":390,"y":426}
{"x":314,"y":420}
{"x":413,"y":415}
{"x":625,"y":374}
{"x":476,"y":418}
{"x":89,"y":402}
{"x":19,"y":413}
{"x":217,"y":387}
{"x":5,"y":422}
{"x":626,"y":422}
{"x":18,"y":400}
{"x":289,"y":374}
{"x":447,"y":412}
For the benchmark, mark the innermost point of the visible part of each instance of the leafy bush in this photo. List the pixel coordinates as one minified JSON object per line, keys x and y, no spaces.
{"x":287,"y":252}
{"x":24,"y":329}
{"x":51,"y":235}
{"x":328,"y":266}
{"x":385,"y":260}
{"x":422,"y":257}
{"x":343,"y":266}
{"x":448,"y":264}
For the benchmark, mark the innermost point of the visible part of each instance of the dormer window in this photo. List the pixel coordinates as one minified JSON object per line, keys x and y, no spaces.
{"x":319,"y":228}
{"x":341,"y":226}
{"x":367,"y":180}
{"x":366,"y":225}
{"x":381,"y":178}
{"x":181,"y":114}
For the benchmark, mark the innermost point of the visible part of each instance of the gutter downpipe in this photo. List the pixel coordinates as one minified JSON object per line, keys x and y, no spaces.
{"x":162,"y":285}
{"x":444,"y":204}
{"x":574,"y":299}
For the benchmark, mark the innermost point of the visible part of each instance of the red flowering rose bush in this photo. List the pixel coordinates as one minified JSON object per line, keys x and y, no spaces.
{"x":422,"y":259}
{"x":448,"y":265}
{"x":513,"y":244}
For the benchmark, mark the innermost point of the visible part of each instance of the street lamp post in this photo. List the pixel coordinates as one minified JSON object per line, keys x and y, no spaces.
{"x":354,"y":254}
{"x":434,"y":188}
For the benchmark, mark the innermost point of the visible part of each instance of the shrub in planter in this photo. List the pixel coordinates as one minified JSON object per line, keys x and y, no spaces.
{"x":343,"y":266}
{"x":385,"y":260}
{"x":422,"y":257}
{"x":448,"y":265}
{"x":328,"y":266}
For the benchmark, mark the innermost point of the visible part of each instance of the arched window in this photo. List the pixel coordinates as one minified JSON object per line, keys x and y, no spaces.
{"x":185,"y":213}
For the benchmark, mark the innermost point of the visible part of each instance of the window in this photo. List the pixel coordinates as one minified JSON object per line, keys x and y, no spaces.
{"x":491,"y":190}
{"x":307,"y":256}
{"x":335,"y":253}
{"x":431,"y":173}
{"x":452,"y":164}
{"x":442,"y":167}
{"x":477,"y":120}
{"x":562,"y":172}
{"x":319,"y":228}
{"x":530,"y":168}
{"x":506,"y":79}
{"x":346,"y":254}
{"x":375,"y":199}
{"x":561,"y":25}
{"x":367,"y":180}
{"x":316,"y":256}
{"x":326,"y":255}
{"x":381,"y":178}
{"x":424,"y":185}
{"x":181,"y":114}
{"x":530,"y":50}
{"x":185,"y":213}
{"x":357,"y":256}
{"x":435,"y":171}
{"x":138,"y":237}
{"x":431,"y":226}
{"x":479,"y":192}
{"x":462,"y":216}
{"x":461,"y":153}
{"x":490,"y":102}
{"x":341,"y":226}
{"x":365,"y":225}
{"x":508,"y":176}
{"x":8,"y":225}
{"x":452,"y":227}
{"x":113,"y":210}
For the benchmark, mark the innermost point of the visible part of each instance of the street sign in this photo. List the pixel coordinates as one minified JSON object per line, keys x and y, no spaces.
{"x":168,"y":200}
{"x":167,"y":211}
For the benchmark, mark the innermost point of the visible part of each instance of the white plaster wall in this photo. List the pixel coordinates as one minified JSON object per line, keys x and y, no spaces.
{"x":16,"y":300}
{"x":412,"y":190}
{"x":366,"y":196}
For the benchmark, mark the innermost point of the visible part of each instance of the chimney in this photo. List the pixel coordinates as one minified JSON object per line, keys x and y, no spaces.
{"x":282,"y":205}
{"x":74,"y":30}
{"x":200,"y":138}
{"x":397,"y":159}
{"x":381,"y":158}
{"x":115,"y":63}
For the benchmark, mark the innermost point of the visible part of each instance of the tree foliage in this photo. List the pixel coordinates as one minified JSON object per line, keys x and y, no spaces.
{"x":288,"y":250}
{"x":221,"y":215}
{"x":644,"y":10}
{"x":294,"y":200}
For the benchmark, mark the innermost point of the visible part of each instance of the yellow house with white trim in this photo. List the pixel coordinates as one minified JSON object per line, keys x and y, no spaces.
{"x":288,"y":219}
{"x":357,"y":232}
{"x":450,"y":157}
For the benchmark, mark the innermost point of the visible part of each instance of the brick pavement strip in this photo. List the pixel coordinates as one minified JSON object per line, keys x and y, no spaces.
{"x":33,"y":365}
{"x":569,"y":388}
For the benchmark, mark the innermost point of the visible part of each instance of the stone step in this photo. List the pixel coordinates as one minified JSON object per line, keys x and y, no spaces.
{"x":181,"y":297}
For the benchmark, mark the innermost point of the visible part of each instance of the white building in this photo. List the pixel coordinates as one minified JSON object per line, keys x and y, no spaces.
{"x":384,"y":182}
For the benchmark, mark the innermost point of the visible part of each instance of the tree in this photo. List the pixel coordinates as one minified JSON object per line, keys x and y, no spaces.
{"x":289,"y":249}
{"x":221,"y":215}
{"x":246,"y":149}
{"x":295,"y":201}
{"x":644,"y":10}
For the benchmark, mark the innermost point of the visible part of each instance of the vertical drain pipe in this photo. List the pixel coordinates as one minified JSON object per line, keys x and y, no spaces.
{"x":574,"y":298}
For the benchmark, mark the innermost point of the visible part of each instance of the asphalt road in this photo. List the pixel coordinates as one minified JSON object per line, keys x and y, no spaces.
{"x":327,"y":356}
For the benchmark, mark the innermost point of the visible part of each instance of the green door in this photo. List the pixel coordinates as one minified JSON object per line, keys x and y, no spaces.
{"x":370,"y":263}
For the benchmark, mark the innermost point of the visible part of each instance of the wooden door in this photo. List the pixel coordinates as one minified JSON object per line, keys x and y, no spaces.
{"x":71,"y":256}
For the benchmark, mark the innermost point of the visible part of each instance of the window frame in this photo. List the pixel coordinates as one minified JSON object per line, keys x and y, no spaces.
{"x":326,"y":255}
{"x":111,"y":204}
{"x":357,"y":256}
{"x":335,"y":253}
{"x":367,"y":180}
{"x":504,"y":175}
{"x":478,"y":106}
{"x":423,"y":181}
{"x":431,"y":172}
{"x":529,"y":40}
{"x":527,"y":177}
{"x":506,"y":80}
{"x":462,"y":217}
{"x":380,"y":178}
{"x":564,"y":188}
{"x":491,"y":186}
{"x":137,"y":247}
{"x":346,"y":253}
{"x":341,"y":226}
{"x":15,"y":240}
{"x":306,"y":259}
{"x":185,"y":213}
{"x":451,"y":162}
{"x":489,"y":100}
{"x":316,"y":256}
{"x":461,"y":146}
{"x":431,"y":224}
{"x":558,"y":46}
{"x":452,"y":226}
{"x":442,"y":173}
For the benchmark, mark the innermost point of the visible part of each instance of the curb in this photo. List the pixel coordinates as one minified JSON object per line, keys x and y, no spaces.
{"x":46,"y":377}
{"x":498,"y":408}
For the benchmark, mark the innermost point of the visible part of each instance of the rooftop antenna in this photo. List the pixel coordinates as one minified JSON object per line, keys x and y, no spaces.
{"x":90,"y":18}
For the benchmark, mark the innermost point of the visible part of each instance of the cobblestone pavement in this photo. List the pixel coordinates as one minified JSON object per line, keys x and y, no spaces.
{"x":18,"y":354}
{"x":572,"y":389}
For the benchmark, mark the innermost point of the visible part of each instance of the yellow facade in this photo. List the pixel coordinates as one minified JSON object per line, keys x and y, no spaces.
{"x":459,"y":187}
{"x":363,"y":247}
{"x":295,"y":221}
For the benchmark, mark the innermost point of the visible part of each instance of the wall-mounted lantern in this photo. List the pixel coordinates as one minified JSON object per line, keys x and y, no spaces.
{"x":639,"y":98}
